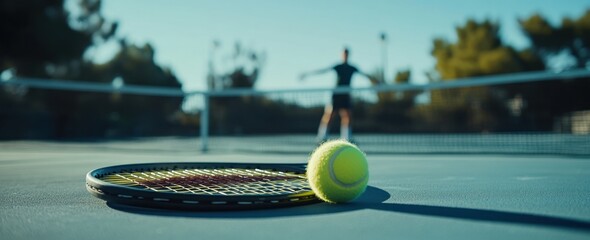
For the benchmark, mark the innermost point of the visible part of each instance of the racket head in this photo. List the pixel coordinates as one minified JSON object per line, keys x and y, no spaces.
{"x":202,"y":186}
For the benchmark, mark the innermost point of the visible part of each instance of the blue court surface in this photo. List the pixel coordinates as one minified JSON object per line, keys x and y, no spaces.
{"x":410,"y":196}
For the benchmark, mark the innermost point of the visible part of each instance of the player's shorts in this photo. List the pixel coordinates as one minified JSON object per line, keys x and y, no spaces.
{"x":341,"y":101}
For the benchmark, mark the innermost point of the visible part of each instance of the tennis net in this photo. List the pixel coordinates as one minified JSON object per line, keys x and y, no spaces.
{"x":528,"y":113}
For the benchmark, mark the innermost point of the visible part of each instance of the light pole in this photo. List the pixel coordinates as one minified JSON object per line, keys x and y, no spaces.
{"x":383,"y":38}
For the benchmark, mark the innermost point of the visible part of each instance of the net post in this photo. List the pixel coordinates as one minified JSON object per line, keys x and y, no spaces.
{"x":205,"y":122}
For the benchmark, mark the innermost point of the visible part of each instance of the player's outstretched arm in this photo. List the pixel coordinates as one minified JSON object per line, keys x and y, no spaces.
{"x":316,"y":72}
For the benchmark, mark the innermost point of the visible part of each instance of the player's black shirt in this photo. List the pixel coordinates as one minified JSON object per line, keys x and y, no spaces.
{"x":344,"y":72}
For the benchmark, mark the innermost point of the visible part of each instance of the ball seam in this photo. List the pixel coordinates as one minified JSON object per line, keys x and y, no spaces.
{"x":333,"y":175}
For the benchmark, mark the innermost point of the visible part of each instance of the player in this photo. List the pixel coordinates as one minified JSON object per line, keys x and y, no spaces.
{"x":341,"y":102}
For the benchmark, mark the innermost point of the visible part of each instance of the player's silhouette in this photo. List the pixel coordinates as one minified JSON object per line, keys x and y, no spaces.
{"x":341,"y":102}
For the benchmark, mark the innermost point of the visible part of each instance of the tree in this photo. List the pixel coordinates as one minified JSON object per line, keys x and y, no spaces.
{"x":391,"y":111}
{"x":572,"y":37}
{"x":240,"y":69}
{"x":44,"y":39}
{"x":550,"y":100}
{"x":131,"y":115}
{"x":478,"y":51}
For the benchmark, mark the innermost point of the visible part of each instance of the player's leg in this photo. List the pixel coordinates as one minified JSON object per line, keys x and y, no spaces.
{"x":324,"y":122}
{"x":345,"y":123}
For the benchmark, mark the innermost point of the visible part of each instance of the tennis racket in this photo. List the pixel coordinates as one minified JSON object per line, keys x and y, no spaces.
{"x":202,"y":186}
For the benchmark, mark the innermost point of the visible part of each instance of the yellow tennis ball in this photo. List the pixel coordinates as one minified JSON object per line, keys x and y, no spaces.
{"x":338,"y":171}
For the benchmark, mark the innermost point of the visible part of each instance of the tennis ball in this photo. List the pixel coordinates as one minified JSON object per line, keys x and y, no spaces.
{"x":337,"y":171}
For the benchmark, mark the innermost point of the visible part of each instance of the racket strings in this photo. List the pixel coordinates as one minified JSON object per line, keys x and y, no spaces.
{"x":230,"y":181}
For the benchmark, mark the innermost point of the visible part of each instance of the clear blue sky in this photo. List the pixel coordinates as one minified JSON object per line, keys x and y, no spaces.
{"x":304,"y":35}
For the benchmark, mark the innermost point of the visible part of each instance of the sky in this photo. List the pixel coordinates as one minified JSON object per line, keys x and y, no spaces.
{"x":305,"y":35}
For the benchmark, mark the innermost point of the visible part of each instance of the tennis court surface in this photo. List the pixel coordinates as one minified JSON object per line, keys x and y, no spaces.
{"x":410,"y":196}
